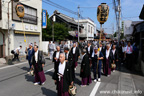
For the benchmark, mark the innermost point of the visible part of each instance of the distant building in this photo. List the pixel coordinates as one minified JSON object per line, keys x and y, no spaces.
{"x":128,"y":28}
{"x":68,"y":21}
{"x":89,"y":28}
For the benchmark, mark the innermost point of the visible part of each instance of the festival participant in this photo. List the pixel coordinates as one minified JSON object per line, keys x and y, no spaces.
{"x":85,"y":72}
{"x":38,"y":63}
{"x":63,"y":77}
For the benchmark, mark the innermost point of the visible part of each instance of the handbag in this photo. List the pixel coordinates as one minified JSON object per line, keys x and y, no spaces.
{"x":12,"y":51}
{"x":113,"y":66}
{"x":72,"y":90}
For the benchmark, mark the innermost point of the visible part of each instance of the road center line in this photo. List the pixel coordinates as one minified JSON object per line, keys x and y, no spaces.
{"x":95,"y":89}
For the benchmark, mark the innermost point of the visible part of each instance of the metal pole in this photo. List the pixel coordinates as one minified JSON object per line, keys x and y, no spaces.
{"x":119,"y":21}
{"x":53,"y":31}
{"x":100,"y":33}
{"x":78,"y":23}
{"x":8,"y":30}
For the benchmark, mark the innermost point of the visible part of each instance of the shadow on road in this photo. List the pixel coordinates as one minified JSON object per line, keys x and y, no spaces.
{"x":49,"y":73}
{"x":48,"y":92}
{"x":29,"y":78}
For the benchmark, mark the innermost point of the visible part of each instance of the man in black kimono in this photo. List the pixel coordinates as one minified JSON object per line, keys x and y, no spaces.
{"x":75,"y":54}
{"x":68,"y":56}
{"x":115,"y":57}
{"x":38,"y":64}
{"x":62,"y":76}
{"x":108,"y":59}
{"x":89,"y":52}
{"x":56,"y":57}
{"x":85,"y":72}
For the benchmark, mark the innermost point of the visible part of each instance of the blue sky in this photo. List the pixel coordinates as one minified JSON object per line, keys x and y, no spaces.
{"x":130,"y":10}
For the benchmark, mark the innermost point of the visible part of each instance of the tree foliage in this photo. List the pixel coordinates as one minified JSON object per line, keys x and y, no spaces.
{"x":60,"y":31}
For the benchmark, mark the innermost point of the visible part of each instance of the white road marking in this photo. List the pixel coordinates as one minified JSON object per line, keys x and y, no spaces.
{"x":9,"y":66}
{"x":49,"y":70}
{"x":95,"y":89}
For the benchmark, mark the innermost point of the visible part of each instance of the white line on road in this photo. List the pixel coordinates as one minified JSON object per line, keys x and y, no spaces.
{"x":95,"y":89}
{"x":49,"y":70}
{"x":9,"y":66}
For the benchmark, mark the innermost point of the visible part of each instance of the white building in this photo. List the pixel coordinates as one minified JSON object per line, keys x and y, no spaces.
{"x":31,"y":26}
{"x":129,"y":27}
{"x":88,"y":30}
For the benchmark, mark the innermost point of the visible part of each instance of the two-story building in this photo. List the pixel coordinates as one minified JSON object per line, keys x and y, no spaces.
{"x":31,"y":25}
{"x":89,"y":29}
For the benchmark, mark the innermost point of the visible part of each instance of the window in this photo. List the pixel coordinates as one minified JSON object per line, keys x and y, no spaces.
{"x":89,"y":28}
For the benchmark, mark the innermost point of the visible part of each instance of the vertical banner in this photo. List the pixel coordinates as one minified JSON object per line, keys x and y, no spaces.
{"x":44,"y":18}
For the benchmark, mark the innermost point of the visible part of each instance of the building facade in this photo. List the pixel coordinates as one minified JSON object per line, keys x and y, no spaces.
{"x":89,"y":29}
{"x":31,"y":25}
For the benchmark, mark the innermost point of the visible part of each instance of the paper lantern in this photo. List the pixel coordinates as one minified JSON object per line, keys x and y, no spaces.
{"x":20,"y":10}
{"x":102,"y":13}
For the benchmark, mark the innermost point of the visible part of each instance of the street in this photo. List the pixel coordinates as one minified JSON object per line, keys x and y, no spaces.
{"x":14,"y":81}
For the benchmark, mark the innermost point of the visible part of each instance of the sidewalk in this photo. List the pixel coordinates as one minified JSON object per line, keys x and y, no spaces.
{"x":126,"y":85}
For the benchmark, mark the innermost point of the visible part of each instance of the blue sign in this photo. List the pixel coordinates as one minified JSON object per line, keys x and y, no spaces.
{"x":44,"y":18}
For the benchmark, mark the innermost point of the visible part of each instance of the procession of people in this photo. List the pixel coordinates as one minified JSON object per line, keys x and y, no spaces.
{"x":97,"y":57}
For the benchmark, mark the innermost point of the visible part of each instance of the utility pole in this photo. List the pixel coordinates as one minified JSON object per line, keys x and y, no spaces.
{"x":78,"y":22}
{"x":119,"y":19}
{"x":53,"y":28}
{"x":8,"y":30}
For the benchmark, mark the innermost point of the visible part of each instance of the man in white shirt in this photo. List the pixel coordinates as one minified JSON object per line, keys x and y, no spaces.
{"x":129,"y":56}
{"x":16,"y":53}
{"x":51,"y":49}
{"x":63,"y":77}
{"x":38,"y":62}
{"x":56,"y":57}
{"x":75,"y":54}
{"x":108,"y":59}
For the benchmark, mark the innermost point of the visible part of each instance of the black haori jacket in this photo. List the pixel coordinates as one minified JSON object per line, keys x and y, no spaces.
{"x":41,"y":61}
{"x":91,"y":51}
{"x":67,"y":77}
{"x":77,"y":53}
{"x":70,"y":58}
{"x":85,"y":66}
{"x":115,"y":56}
{"x":110,"y":58}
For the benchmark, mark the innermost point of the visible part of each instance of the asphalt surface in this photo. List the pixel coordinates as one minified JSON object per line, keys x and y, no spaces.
{"x":14,"y":81}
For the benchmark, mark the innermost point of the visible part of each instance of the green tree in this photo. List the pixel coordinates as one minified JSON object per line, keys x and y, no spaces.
{"x":60,"y":31}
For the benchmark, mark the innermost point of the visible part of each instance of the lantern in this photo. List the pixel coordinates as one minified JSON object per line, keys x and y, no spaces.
{"x":20,"y":10}
{"x":102,"y":13}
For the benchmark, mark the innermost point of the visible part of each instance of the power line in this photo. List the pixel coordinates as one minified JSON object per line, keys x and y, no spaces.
{"x":59,"y":6}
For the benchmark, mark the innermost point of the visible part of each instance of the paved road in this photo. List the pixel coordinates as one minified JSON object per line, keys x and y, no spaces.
{"x":14,"y":81}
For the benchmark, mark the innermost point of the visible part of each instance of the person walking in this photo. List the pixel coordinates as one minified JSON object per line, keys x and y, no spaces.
{"x":97,"y":58}
{"x":62,"y":77}
{"x":38,"y":63}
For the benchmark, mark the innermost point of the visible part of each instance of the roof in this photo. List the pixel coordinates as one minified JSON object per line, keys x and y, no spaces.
{"x":65,"y":17}
{"x":141,"y":16}
{"x":136,"y":22}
